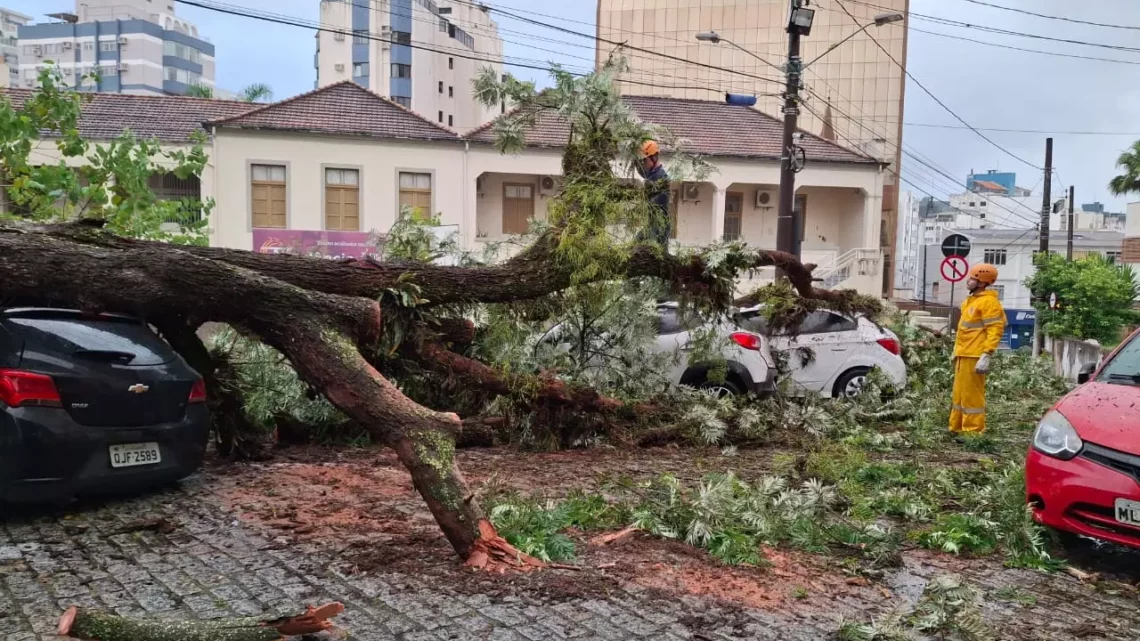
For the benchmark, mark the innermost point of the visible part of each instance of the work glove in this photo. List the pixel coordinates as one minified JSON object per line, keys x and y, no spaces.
{"x":983,"y":366}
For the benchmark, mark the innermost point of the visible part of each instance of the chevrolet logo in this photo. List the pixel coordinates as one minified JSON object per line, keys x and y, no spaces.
{"x":138,"y":388}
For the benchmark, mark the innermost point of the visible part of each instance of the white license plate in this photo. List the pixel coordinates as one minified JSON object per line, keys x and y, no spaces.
{"x":1128,"y":512}
{"x":135,"y":454}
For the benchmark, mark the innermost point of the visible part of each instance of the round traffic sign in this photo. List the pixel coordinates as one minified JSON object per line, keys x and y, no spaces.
{"x":956,"y":245}
{"x":1053,"y":300}
{"x":954,"y":268}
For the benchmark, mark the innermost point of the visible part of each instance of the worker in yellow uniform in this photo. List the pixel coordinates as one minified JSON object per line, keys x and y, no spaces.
{"x":979,"y":334}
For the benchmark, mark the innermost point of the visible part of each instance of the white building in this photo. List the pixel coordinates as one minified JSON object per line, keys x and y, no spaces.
{"x":132,"y":46}
{"x":416,"y":52}
{"x":1012,"y":252}
{"x":10,"y":23}
{"x":980,"y":210}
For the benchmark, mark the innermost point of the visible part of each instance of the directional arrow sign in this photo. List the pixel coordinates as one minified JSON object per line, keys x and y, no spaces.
{"x":954,"y":268}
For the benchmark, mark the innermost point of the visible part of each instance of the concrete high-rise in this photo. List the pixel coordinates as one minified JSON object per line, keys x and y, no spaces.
{"x":10,"y":23}
{"x":422,"y":54}
{"x":132,"y":46}
{"x":852,"y":95}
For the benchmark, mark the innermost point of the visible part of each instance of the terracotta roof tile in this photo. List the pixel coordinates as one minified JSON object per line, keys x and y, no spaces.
{"x":345,"y":109}
{"x":169,"y":118}
{"x":712,"y":128}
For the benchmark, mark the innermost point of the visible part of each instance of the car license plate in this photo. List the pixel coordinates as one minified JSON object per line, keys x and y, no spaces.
{"x":1128,"y":512}
{"x":135,"y":454}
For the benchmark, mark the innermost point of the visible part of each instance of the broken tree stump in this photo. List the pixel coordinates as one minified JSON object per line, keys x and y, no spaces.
{"x":100,"y":626}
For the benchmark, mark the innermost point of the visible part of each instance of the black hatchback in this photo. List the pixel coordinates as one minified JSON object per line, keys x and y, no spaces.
{"x":93,"y":403}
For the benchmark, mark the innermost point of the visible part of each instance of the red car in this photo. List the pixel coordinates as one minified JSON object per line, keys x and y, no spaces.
{"x":1083,"y":471}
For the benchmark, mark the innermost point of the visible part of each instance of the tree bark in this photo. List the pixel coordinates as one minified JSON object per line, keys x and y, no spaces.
{"x":100,"y":626}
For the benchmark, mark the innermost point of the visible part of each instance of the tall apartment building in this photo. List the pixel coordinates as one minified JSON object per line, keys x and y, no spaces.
{"x":416,"y":52}
{"x":135,"y":47}
{"x":856,"y":88}
{"x":10,"y":23}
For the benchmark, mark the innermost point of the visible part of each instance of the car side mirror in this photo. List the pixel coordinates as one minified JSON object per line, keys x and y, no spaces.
{"x":1085,"y":373}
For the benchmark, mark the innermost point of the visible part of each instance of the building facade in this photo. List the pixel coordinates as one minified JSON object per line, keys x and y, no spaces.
{"x":423,"y":54}
{"x":119,"y":46}
{"x":10,"y":23}
{"x":854,"y":94}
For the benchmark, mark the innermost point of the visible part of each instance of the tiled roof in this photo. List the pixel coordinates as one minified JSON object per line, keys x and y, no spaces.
{"x":344,"y":109}
{"x":711,"y":128}
{"x":169,"y":118}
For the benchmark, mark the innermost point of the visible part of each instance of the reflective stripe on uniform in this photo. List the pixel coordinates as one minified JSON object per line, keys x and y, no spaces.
{"x":991,"y":321}
{"x":973,"y":324}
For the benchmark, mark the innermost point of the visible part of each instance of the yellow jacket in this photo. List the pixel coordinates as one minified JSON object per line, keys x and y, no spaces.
{"x":981,"y":325}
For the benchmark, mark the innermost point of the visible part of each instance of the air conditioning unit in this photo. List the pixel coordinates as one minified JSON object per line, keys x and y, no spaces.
{"x":123,"y":42}
{"x":338,"y":36}
{"x":39,"y":51}
{"x":385,"y":37}
{"x":66,"y":46}
{"x":29,"y":82}
{"x":548,"y":185}
{"x":124,"y":67}
{"x":691,"y":191}
{"x":765,"y":199}
{"x":340,"y":66}
{"x":479,"y":185}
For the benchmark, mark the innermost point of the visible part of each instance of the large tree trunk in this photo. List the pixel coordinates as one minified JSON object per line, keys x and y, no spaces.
{"x":101,"y":626}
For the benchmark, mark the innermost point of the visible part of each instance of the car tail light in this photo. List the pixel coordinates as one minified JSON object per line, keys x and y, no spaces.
{"x":198,"y":392}
{"x":891,"y":345}
{"x":747,"y":340}
{"x":18,"y":389}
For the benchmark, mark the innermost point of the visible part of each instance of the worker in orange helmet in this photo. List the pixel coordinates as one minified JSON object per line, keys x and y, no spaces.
{"x":657,"y":192}
{"x":980,"y":330}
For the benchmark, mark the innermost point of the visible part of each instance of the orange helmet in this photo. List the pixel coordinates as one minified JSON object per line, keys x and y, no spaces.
{"x":984,"y":273}
{"x":649,"y":148}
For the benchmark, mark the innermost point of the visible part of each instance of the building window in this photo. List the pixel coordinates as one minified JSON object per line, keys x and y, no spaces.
{"x":981,"y":216}
{"x":415,"y":192}
{"x":401,"y":71}
{"x":441,"y":86}
{"x":451,"y":63}
{"x":441,"y":116}
{"x":359,"y":69}
{"x":450,"y":91}
{"x":342,"y":199}
{"x":108,"y":71}
{"x":403,"y":101}
{"x":450,"y":120}
{"x":1000,"y":289}
{"x":1113,"y":257}
{"x":89,"y":45}
{"x":733,"y":210}
{"x":983,"y":203}
{"x":360,"y":36}
{"x":994,"y":256}
{"x":179,"y":50}
{"x":108,"y":45}
{"x":518,"y":208}
{"x":268,"y":195}
{"x":973,"y":203}
{"x":181,"y":75}
{"x":402,"y":38}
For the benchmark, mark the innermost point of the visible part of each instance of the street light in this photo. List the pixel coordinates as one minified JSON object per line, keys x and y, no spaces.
{"x":714,"y":37}
{"x":880,"y":20}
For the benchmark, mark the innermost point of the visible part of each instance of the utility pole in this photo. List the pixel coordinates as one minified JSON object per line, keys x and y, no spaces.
{"x":1069,"y":247}
{"x":1043,"y":233}
{"x":785,"y":222}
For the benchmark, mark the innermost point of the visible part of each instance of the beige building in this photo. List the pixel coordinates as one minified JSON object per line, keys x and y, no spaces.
{"x":329,"y":171}
{"x":856,"y":87}
{"x":10,"y":23}
{"x":422,"y":54}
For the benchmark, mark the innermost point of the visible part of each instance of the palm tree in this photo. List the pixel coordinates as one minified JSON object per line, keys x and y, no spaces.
{"x":199,"y":91}
{"x":1129,"y":181}
{"x":257,"y":92}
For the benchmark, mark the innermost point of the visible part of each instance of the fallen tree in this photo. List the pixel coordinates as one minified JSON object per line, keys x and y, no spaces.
{"x":344,"y":325}
{"x":101,"y":626}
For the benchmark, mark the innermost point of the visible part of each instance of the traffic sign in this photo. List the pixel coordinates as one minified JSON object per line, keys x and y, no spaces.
{"x":956,"y":245}
{"x":954,"y":268}
{"x":1054,"y":302}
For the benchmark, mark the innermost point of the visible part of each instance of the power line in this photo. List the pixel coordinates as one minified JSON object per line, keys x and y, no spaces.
{"x":1014,"y":48}
{"x":933,"y":97}
{"x":1029,"y":131}
{"x":1052,"y":17}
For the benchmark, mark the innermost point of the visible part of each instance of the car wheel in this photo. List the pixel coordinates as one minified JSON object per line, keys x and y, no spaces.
{"x":721,"y":389}
{"x":851,"y":383}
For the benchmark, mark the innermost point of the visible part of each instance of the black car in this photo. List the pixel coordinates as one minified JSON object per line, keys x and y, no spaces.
{"x":93,"y":403}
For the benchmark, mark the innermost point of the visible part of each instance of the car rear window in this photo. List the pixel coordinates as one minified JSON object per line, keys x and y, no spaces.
{"x":818,"y":322}
{"x":94,"y":337}
{"x":671,"y":321}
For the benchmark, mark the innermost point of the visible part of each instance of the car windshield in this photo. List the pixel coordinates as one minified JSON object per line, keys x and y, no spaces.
{"x":1125,"y":366}
{"x":102,"y":337}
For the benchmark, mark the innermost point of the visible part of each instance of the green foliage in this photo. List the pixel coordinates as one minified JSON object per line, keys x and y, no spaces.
{"x":536,"y":528}
{"x":107,"y":182}
{"x":1128,"y":182}
{"x":257,"y":92}
{"x":199,"y":91}
{"x":949,"y":611}
{"x":1096,"y":297}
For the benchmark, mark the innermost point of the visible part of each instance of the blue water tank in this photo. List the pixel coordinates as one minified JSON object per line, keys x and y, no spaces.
{"x":743,"y":100}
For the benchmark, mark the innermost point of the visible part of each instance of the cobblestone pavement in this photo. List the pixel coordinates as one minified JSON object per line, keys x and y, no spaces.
{"x":210,"y":566}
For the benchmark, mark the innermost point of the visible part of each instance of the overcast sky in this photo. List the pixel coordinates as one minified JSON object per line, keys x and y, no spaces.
{"x":987,"y":86}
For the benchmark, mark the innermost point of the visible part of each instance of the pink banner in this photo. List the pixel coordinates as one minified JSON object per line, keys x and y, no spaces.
{"x":324,"y":244}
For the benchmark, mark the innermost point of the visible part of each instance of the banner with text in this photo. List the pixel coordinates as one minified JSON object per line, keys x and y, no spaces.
{"x":325,"y":244}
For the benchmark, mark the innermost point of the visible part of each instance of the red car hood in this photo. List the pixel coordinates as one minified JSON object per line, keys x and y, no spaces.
{"x":1105,"y":414}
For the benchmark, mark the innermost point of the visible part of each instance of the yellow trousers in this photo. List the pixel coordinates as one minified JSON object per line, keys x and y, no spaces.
{"x":968,"y":414}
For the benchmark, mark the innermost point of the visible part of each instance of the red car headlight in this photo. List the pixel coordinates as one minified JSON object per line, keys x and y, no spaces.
{"x":1056,"y":437}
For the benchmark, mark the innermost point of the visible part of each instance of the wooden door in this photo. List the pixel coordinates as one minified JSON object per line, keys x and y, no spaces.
{"x":733,"y":215}
{"x":518,"y":207}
